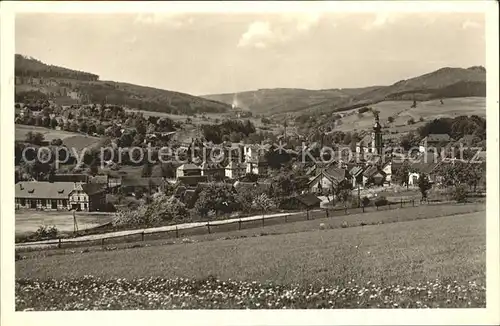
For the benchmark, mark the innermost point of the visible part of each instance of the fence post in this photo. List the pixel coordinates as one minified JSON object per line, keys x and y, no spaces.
{"x":262,"y":220}
{"x":59,"y":243}
{"x":326,"y":210}
{"x":208,"y":226}
{"x":142,"y":236}
{"x":239,"y":224}
{"x":363,"y":207}
{"x":307,"y":215}
{"x":176,"y":231}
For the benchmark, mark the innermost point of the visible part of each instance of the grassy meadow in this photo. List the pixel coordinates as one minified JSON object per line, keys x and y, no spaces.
{"x":420,"y":263}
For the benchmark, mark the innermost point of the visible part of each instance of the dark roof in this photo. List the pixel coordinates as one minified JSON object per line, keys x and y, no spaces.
{"x":93,"y":188}
{"x":99,"y":179}
{"x":140,"y":182}
{"x":188,"y":166}
{"x":210,"y":166}
{"x":43,"y":189}
{"x":366,"y":140}
{"x":192,"y":180}
{"x":370,"y":171}
{"x":70,"y":177}
{"x":336,"y":173}
{"x":356,"y":170}
{"x":308,"y":200}
{"x":437,"y":138}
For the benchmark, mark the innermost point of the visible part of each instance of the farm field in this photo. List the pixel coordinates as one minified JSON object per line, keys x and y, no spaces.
{"x":414,"y":264}
{"x":402,"y":111}
{"x":29,"y":221}
{"x":70,"y":139}
{"x":315,"y":256}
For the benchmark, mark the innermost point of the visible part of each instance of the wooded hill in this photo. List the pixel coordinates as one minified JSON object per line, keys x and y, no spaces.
{"x":35,"y":79}
{"x":443,"y":83}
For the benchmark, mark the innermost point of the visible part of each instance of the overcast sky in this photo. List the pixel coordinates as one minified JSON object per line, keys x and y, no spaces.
{"x":220,"y":53}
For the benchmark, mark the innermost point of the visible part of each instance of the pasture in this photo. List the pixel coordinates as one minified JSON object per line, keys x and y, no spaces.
{"x":28,"y":221}
{"x":395,"y":253}
{"x":401,"y":111}
{"x":48,"y":134}
{"x":427,"y":263}
{"x":70,"y":139}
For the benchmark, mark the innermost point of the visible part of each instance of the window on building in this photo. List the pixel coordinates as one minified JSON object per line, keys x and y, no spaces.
{"x":23,"y":202}
{"x":64,"y":202}
{"x":43,"y":202}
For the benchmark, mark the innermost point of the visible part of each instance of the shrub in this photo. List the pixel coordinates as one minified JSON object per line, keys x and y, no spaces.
{"x":365,"y":201}
{"x":381,"y":201}
{"x":410,"y":121}
{"x":460,"y":193}
{"x":45,"y":232}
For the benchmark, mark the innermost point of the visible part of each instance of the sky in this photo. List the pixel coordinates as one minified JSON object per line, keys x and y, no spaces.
{"x":211,"y":53}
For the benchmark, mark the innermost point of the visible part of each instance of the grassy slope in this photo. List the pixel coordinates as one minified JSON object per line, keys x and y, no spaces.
{"x":401,"y":112}
{"x":393,"y":253}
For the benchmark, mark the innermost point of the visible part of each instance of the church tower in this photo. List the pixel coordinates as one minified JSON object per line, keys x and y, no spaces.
{"x":377,"y":137}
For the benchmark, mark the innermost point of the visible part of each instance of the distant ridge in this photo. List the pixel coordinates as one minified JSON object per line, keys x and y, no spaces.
{"x":446,"y":82}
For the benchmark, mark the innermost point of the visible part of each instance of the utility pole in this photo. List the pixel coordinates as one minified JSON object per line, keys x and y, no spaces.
{"x":75,"y":224}
{"x":359,"y":196}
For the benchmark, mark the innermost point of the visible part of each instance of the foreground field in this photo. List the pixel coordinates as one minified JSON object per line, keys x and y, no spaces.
{"x":413,"y":264}
{"x":397,"y":252}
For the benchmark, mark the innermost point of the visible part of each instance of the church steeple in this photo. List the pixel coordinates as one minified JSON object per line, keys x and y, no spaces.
{"x":377,"y":136}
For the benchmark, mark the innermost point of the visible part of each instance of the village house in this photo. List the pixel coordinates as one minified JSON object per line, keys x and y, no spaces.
{"x":259,"y":166}
{"x":59,"y":196}
{"x":302,"y":202}
{"x":327,"y":180}
{"x":212,"y":170}
{"x":356,"y":173}
{"x":425,"y":164}
{"x":187,"y":169}
{"x":434,"y":141}
{"x":374,"y":175}
{"x":235,"y":170}
{"x":132,"y":185}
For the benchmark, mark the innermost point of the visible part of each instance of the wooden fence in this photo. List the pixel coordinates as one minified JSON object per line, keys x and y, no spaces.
{"x":211,"y":227}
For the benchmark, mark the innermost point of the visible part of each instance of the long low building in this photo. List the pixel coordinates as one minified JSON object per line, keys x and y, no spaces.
{"x":44,"y":195}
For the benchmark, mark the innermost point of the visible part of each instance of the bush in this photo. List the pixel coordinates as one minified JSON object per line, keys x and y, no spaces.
{"x":45,"y":232}
{"x":460,"y":193}
{"x":365,"y":201}
{"x":410,"y":121}
{"x":381,"y":201}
